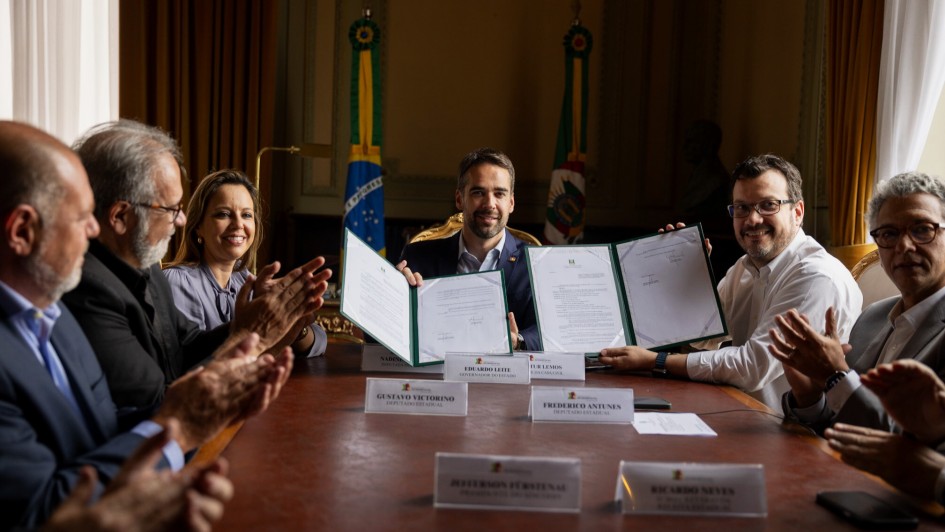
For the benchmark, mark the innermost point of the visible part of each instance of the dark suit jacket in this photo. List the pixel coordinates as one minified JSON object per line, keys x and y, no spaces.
{"x":141,"y":340}
{"x":42,"y":442}
{"x":434,"y":258}
{"x":867,"y":337}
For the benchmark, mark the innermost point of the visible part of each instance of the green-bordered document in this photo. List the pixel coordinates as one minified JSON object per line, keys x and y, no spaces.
{"x":464,"y":313}
{"x":655,"y":291}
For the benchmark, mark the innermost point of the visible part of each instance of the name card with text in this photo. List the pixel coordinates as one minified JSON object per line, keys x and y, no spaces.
{"x":583,"y":405}
{"x":692,"y":489}
{"x":376,"y":357}
{"x":507,"y":482}
{"x":500,"y":369}
{"x":556,"y":366}
{"x":396,"y":396}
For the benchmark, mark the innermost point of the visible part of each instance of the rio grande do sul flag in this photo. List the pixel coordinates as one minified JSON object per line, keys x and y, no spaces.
{"x":565,"y":214}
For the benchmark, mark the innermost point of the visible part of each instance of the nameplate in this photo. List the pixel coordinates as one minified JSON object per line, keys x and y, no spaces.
{"x":583,"y":405}
{"x":684,"y":488}
{"x":376,"y":357}
{"x":507,"y":482}
{"x":401,"y":396}
{"x":501,"y":369}
{"x":556,"y":366}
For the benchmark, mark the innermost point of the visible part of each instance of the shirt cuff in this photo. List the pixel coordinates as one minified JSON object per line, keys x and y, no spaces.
{"x":839,"y":394}
{"x":320,"y":344}
{"x":172,"y":452}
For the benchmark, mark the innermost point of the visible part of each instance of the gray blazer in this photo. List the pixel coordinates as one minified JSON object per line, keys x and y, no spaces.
{"x":867,"y":337}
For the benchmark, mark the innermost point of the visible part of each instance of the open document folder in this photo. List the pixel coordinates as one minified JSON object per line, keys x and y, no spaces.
{"x":464,"y":313}
{"x":655,"y":291}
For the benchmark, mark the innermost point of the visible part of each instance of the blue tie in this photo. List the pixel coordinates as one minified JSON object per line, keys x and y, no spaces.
{"x":55,"y":371}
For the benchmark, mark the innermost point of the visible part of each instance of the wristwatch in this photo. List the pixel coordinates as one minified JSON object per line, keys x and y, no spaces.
{"x":833,"y":380}
{"x":660,"y":369}
{"x":520,"y":345}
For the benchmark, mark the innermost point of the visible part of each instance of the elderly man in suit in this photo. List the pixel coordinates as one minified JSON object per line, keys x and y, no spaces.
{"x":124,"y":303}
{"x":57,"y":417}
{"x":485,"y":193}
{"x":907,"y":213}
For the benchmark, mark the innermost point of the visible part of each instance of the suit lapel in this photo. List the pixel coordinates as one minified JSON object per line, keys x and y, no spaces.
{"x":67,"y":349}
{"x":919,"y":346}
{"x":870,"y":356}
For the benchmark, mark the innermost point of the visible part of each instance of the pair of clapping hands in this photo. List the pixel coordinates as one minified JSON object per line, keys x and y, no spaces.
{"x":911,"y":393}
{"x":278,"y":309}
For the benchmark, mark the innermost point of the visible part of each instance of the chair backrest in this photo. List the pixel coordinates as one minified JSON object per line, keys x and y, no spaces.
{"x":454,"y":224}
{"x":872,"y":279}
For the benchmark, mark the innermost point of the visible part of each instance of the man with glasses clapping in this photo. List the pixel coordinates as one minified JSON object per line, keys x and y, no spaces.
{"x":906,"y":215}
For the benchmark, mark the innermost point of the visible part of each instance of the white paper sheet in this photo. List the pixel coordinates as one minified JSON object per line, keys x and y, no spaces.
{"x":376,"y":296}
{"x":670,"y":292}
{"x":577,"y":298}
{"x":673,"y":424}
{"x":463,"y":313}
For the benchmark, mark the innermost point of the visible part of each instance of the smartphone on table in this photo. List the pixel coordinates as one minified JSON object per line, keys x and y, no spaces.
{"x":866,"y":511}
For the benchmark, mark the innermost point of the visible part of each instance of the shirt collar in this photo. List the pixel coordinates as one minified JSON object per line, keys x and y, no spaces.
{"x":496,"y":251}
{"x":18,"y":307}
{"x":919,"y":311}
{"x":133,"y":278}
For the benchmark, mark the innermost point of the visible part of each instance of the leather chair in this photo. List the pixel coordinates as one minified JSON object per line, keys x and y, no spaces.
{"x":454,"y":224}
{"x":872,"y":279}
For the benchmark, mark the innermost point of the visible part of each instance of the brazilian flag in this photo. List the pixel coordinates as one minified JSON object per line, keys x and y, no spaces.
{"x":364,"y":190}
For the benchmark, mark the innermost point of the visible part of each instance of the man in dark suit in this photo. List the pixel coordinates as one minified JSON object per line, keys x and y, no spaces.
{"x":485,"y":193}
{"x":56,"y":411}
{"x":907,"y":213}
{"x":124,"y":303}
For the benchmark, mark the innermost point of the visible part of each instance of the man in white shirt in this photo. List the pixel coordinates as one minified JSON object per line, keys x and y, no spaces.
{"x":906,"y":215}
{"x":782,"y":269}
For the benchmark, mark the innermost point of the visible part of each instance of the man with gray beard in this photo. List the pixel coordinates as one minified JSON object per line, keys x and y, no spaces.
{"x":123,"y":301}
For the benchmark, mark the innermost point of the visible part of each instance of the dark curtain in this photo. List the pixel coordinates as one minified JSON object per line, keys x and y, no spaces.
{"x":203,"y":70}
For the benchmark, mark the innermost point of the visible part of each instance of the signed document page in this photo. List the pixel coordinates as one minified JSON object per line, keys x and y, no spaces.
{"x":577,"y":298}
{"x":462,"y":313}
{"x":376,"y":297}
{"x":670,"y":294}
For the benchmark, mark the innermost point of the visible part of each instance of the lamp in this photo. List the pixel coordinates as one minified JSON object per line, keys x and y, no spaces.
{"x":305,"y":150}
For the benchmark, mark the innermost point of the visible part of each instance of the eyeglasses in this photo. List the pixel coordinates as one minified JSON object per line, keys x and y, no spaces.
{"x":173,"y":211}
{"x":764,"y":208}
{"x":920,"y":233}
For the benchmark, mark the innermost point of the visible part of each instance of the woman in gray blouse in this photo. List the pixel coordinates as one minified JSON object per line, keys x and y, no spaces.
{"x":219,"y":248}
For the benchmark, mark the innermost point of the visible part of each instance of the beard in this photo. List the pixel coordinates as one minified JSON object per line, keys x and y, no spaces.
{"x":484,"y":231}
{"x":147,"y":254}
{"x":765,"y":251}
{"x":43,"y":275}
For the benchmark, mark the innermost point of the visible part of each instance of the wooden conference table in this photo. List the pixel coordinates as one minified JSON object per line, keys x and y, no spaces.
{"x":316,"y":461}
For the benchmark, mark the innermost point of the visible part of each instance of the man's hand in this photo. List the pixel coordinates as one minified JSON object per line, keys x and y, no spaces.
{"x":141,"y":498}
{"x":913,"y":395}
{"x":279,"y":306}
{"x":906,"y":464}
{"x":806,"y":392}
{"x":232,"y":387}
{"x":631,"y":358}
{"x":513,"y":330}
{"x":815,"y":355}
{"x":413,"y":278}
{"x":679,"y":225}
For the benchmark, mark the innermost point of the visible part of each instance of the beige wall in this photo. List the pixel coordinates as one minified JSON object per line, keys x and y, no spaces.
{"x":933,"y":157}
{"x":461,"y":74}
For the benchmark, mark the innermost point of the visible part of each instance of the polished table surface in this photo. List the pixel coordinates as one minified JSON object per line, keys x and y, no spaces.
{"x":316,"y":461}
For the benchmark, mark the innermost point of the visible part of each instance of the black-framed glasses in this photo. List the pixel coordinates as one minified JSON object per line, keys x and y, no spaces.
{"x":920,"y":233}
{"x":173,"y":211}
{"x":764,"y":208}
